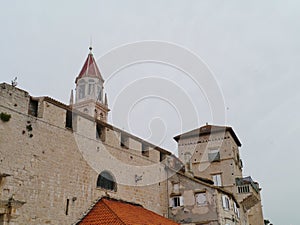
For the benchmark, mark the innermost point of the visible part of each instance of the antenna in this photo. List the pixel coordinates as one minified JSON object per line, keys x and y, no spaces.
{"x":91,"y":43}
{"x":14,"y":82}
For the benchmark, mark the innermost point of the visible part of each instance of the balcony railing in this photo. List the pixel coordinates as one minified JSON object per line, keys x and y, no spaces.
{"x":249,"y":192}
{"x":244,"y":188}
{"x":245,"y":183}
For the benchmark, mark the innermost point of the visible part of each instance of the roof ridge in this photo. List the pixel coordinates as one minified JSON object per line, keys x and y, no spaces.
{"x":107,"y":206}
{"x":88,"y":210}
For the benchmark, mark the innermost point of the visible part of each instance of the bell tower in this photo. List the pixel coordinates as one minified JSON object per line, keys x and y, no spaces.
{"x":89,"y":95}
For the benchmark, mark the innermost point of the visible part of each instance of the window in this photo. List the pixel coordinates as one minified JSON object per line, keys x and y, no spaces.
{"x":33,"y":107}
{"x":69,"y":119}
{"x":91,"y":87}
{"x":225,"y":202}
{"x":176,"y":201}
{"x":100,"y":132}
{"x":106,"y":181}
{"x":145,"y":150}
{"x":99,"y":93}
{"x":214,"y":155}
{"x":176,"y":188}
{"x":124,"y":141}
{"x":162,"y":156}
{"x":236,"y":210}
{"x":201,"y":199}
{"x":217,"y":179}
{"x":81,"y":91}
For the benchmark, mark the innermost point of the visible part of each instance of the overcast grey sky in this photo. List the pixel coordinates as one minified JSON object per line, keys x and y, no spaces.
{"x":252,"y":48}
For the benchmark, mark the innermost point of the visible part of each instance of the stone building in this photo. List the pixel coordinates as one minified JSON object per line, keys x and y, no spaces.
{"x":57,"y":159}
{"x":212,"y":152}
{"x":194,"y":201}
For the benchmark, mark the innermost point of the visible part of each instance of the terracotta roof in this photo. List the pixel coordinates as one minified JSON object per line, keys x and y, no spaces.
{"x":109,"y":211}
{"x":90,"y":68}
{"x":208,"y":129}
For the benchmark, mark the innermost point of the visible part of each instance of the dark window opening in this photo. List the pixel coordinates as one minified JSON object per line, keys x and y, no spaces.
{"x":145,"y":150}
{"x":162,"y":156}
{"x":176,"y":201}
{"x":100,"y":132}
{"x":67,"y":207}
{"x":33,"y":107}
{"x":214,"y":155}
{"x":69,"y":119}
{"x":124,"y":141}
{"x":106,"y":181}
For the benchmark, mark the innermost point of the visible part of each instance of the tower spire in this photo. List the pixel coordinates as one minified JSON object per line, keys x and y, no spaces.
{"x":90,"y":90}
{"x":71,"y":98}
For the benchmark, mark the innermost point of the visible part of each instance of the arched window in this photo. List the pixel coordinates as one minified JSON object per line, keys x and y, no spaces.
{"x":81,"y":91}
{"x":106,"y":181}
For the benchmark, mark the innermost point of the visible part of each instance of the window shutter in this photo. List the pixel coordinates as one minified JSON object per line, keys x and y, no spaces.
{"x":181,"y":200}
{"x":219,"y":180}
{"x":171,"y":202}
{"x":224,"y":201}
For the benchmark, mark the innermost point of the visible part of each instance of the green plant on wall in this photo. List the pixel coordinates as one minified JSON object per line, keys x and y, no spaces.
{"x":5,"y":117}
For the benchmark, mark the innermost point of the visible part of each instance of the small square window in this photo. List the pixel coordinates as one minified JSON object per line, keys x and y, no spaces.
{"x":214,"y":155}
{"x":176,"y":201}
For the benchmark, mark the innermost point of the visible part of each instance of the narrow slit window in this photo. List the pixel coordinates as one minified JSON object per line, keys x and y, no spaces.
{"x":33,"y":107}
{"x":100,"y":132}
{"x":67,"y":206}
{"x":124,"y":141}
{"x":162,"y":156}
{"x":145,"y":150}
{"x":69,"y":119}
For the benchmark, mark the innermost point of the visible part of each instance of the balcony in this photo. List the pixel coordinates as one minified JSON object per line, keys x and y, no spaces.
{"x":248,"y":192}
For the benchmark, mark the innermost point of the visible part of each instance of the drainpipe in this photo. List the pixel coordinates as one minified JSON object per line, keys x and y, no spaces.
{"x":166,"y":168}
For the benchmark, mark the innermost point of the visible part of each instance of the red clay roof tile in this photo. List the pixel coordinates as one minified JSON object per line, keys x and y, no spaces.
{"x":110,"y":211}
{"x":89,"y":69}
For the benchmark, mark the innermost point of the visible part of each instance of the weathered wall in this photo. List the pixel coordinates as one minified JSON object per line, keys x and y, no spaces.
{"x":49,"y":165}
{"x":229,"y":166}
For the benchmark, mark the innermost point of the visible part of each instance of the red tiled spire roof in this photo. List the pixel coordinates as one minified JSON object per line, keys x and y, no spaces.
{"x":110,"y":211}
{"x":90,"y":68}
